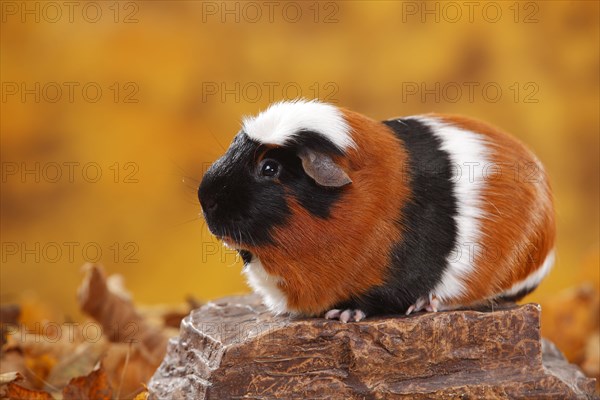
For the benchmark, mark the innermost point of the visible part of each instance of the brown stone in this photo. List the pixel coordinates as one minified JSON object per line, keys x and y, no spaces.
{"x":235,"y":349}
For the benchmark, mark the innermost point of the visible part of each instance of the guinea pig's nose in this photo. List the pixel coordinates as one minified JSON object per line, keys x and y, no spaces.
{"x":208,"y":203}
{"x":207,"y":198}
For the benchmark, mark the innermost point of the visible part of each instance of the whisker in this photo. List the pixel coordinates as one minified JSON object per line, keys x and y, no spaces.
{"x":179,"y":167}
{"x":204,"y":230}
{"x":184,"y":223}
{"x":193,"y":196}
{"x":186,"y":180}
{"x":216,"y":140}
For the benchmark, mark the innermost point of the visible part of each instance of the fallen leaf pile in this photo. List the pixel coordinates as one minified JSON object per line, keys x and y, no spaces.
{"x":110,"y":356}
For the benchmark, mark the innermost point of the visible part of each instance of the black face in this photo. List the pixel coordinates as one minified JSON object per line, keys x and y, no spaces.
{"x":243,"y":197}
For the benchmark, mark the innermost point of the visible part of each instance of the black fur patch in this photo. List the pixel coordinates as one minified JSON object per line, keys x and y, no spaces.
{"x":419,"y":260}
{"x":314,"y":141}
{"x":247,"y":207}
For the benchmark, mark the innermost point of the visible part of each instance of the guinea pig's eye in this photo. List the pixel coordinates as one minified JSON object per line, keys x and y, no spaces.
{"x":269,"y":168}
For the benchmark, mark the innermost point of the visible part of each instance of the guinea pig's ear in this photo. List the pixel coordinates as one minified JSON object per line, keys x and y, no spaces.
{"x":323,"y":169}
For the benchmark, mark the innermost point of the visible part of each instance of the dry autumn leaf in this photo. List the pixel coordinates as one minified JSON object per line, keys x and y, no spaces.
{"x":128,"y":368}
{"x":94,"y":386}
{"x":114,"y":310}
{"x":138,"y":347}
{"x":10,"y":377}
{"x":16,"y":392}
{"x":80,"y":362}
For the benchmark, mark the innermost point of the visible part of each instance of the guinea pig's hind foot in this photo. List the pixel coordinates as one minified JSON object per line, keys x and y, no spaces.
{"x":428,"y":303}
{"x":346,"y":315}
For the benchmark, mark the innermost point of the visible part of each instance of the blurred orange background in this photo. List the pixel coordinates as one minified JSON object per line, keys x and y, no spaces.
{"x":111,"y":111}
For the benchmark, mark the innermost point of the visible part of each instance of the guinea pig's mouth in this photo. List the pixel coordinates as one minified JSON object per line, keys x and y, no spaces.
{"x":230,"y":238}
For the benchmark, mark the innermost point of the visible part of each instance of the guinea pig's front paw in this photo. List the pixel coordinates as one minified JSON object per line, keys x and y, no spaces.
{"x":428,"y":303}
{"x":346,"y":315}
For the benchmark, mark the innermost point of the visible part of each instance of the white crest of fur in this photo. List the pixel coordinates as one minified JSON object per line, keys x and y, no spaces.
{"x":266,"y":286}
{"x":285,"y":119}
{"x":468,"y":157}
{"x":534,"y":278}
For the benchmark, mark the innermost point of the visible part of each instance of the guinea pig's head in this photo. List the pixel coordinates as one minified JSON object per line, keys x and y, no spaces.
{"x":310,"y":194}
{"x":291,"y":153}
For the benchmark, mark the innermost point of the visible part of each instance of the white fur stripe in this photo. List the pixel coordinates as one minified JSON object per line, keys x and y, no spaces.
{"x":534,"y":278}
{"x":468,"y":157}
{"x":266,"y":286}
{"x":286,"y":119}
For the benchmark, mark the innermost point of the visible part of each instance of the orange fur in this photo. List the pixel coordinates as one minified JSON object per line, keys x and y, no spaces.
{"x":518,"y":230}
{"x":322,"y":262}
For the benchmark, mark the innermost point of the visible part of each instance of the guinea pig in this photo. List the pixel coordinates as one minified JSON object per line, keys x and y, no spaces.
{"x":338,"y":215}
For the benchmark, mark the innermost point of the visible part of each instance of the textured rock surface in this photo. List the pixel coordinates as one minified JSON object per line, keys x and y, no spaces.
{"x":234,"y":348}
